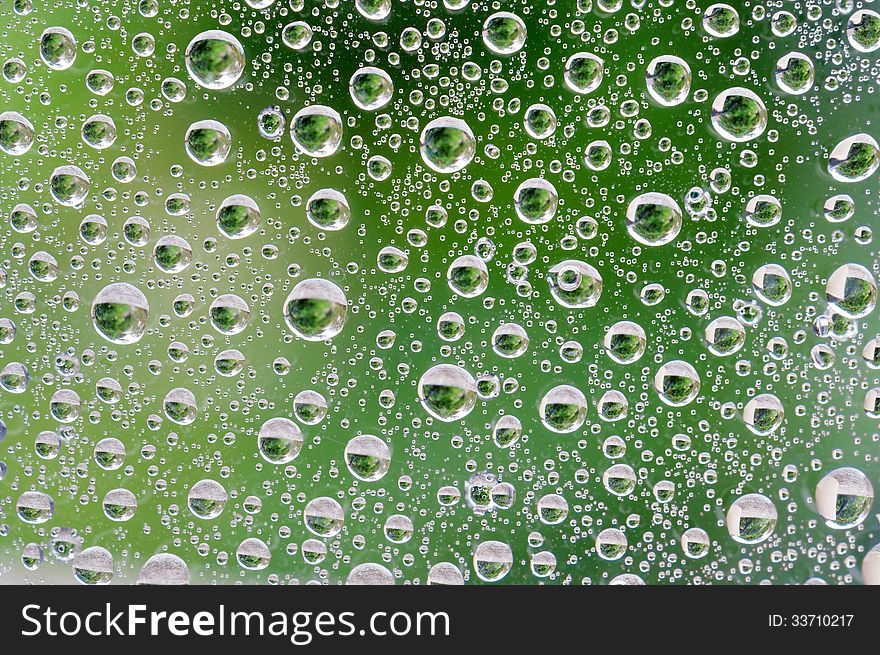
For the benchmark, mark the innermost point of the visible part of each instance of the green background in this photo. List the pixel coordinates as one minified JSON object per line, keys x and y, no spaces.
{"x":825,"y":426}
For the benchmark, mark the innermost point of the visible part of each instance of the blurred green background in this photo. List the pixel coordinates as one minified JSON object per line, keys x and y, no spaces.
{"x":825,"y":426}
